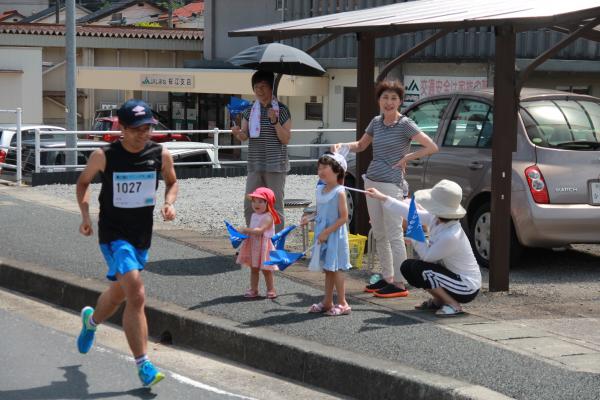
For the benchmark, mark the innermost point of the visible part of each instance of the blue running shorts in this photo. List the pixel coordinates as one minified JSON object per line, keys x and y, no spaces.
{"x":122,"y":257}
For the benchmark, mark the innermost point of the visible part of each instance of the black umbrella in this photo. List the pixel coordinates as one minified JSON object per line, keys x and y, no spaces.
{"x":278,"y":58}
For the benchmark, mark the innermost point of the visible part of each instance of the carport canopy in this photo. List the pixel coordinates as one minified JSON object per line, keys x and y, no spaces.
{"x":575,"y":18}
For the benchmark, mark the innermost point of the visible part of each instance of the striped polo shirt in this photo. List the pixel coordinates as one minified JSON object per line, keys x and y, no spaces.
{"x":266,"y":153}
{"x":390,"y":144}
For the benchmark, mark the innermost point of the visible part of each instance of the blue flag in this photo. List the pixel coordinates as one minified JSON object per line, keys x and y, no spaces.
{"x":279,"y":238}
{"x":282,"y":258}
{"x":237,"y":105}
{"x":414,"y":229}
{"x":235,"y":237}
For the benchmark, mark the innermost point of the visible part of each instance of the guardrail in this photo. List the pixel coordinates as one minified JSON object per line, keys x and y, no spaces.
{"x":211,"y":149}
{"x":18,"y":167}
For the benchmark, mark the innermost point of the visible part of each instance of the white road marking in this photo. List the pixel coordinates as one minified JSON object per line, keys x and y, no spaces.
{"x":203,"y":386}
{"x":179,"y":378}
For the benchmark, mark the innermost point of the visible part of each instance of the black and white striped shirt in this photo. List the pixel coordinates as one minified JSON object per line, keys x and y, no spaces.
{"x":390,"y":144}
{"x":266,"y":153}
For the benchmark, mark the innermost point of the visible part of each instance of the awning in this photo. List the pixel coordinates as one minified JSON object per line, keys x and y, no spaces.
{"x":219,"y":81}
{"x":437,"y":14}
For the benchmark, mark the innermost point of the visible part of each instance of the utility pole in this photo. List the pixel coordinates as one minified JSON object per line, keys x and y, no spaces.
{"x":70,"y":88}
{"x":57,"y":11}
{"x":170,"y":15}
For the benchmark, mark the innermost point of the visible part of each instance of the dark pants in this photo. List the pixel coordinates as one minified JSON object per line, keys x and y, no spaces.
{"x":425,"y":275}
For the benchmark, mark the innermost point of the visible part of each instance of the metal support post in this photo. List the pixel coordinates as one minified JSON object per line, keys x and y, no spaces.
{"x":367,"y":109}
{"x":70,"y":87}
{"x":505,"y":134}
{"x":38,"y":155}
{"x":19,"y":148}
{"x":216,"y":163}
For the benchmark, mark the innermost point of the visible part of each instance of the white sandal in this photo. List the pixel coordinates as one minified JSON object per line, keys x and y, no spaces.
{"x":448,"y":311}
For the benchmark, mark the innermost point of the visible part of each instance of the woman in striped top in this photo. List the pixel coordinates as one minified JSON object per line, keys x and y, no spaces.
{"x":267,"y":126}
{"x":390,"y":133}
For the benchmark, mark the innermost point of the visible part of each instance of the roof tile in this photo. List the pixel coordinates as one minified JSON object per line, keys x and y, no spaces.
{"x":104,"y":31}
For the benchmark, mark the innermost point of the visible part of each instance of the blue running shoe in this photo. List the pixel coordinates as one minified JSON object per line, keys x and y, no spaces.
{"x":86,"y":336}
{"x":149,"y":375}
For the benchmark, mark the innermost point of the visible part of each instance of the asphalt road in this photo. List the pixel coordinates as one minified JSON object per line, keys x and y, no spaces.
{"x":40,"y":361}
{"x":44,"y":364}
{"x":199,"y":280}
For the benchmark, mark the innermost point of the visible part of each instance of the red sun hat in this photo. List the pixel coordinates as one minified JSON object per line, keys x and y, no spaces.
{"x":267,"y":195}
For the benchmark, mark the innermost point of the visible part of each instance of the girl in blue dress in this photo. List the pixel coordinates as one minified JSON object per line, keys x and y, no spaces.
{"x":331,"y":252}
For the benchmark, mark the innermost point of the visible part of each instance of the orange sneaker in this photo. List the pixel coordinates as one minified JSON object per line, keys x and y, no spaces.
{"x":391,"y":290}
{"x":372,"y":288}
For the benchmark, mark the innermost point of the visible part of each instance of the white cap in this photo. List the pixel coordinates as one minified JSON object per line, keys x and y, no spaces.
{"x":340,"y":159}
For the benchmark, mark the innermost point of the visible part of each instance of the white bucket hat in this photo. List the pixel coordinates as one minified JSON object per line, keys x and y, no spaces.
{"x":442,"y":200}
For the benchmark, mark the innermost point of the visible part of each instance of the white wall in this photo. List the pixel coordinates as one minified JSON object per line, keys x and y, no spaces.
{"x":22,"y":89}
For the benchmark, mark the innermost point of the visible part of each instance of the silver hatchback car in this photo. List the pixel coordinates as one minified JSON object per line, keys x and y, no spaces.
{"x":555,"y":170}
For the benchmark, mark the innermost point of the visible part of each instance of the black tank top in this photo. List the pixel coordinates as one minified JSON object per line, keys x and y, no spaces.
{"x":128,"y":194}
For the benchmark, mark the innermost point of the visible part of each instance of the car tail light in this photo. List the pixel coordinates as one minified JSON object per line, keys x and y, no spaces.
{"x":2,"y":156}
{"x":537,"y":185}
{"x":108,"y":138}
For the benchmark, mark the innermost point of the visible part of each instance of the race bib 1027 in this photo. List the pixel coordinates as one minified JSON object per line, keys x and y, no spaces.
{"x":134,"y":189}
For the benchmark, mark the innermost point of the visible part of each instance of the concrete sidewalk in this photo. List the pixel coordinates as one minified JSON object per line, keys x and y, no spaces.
{"x":189,"y":274}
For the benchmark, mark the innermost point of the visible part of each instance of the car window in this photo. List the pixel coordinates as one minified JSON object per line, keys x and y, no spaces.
{"x":471,"y":125}
{"x":560,"y":123}
{"x":102,"y":125}
{"x":428,"y":116}
{"x":29,"y":134}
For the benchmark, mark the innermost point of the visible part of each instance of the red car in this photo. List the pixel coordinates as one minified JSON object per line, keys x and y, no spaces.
{"x":107,"y":120}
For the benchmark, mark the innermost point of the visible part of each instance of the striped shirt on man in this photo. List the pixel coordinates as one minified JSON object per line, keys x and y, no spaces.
{"x":266,"y":153}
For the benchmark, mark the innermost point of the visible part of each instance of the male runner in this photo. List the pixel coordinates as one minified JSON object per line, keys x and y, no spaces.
{"x":129,"y":169}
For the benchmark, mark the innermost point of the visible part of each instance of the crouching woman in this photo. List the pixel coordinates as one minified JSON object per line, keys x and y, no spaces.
{"x":447,"y":268}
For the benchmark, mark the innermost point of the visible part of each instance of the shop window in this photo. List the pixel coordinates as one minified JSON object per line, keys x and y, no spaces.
{"x":350,"y":104}
{"x":313,"y":111}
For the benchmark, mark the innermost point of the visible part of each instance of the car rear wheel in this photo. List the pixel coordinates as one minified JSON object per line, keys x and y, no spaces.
{"x":480,"y":233}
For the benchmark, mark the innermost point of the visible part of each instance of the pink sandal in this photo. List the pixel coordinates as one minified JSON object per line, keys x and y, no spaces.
{"x":317,"y":308}
{"x":338,"y":310}
{"x":251,"y":294}
{"x":271,"y":294}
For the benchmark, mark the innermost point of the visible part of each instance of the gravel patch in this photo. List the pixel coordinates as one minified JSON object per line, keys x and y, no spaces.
{"x":203,"y":204}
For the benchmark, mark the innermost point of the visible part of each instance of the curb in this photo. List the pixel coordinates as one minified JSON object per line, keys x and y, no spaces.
{"x":311,"y":363}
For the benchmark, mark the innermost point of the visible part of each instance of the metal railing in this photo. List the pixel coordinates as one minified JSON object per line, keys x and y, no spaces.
{"x":18,"y":163}
{"x":211,"y":149}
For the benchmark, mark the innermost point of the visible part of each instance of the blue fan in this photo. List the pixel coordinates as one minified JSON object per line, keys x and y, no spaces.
{"x":235,"y":237}
{"x":237,"y":105}
{"x":283,"y":259}
{"x":279,"y":238}
{"x":414,"y":229}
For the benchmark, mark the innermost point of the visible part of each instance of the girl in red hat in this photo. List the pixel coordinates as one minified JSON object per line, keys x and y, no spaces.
{"x":255,"y":250}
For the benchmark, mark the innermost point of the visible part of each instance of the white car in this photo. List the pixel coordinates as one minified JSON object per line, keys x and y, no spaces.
{"x":184,"y":152}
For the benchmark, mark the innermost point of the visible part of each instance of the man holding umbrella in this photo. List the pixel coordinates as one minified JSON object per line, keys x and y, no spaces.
{"x":267,"y":126}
